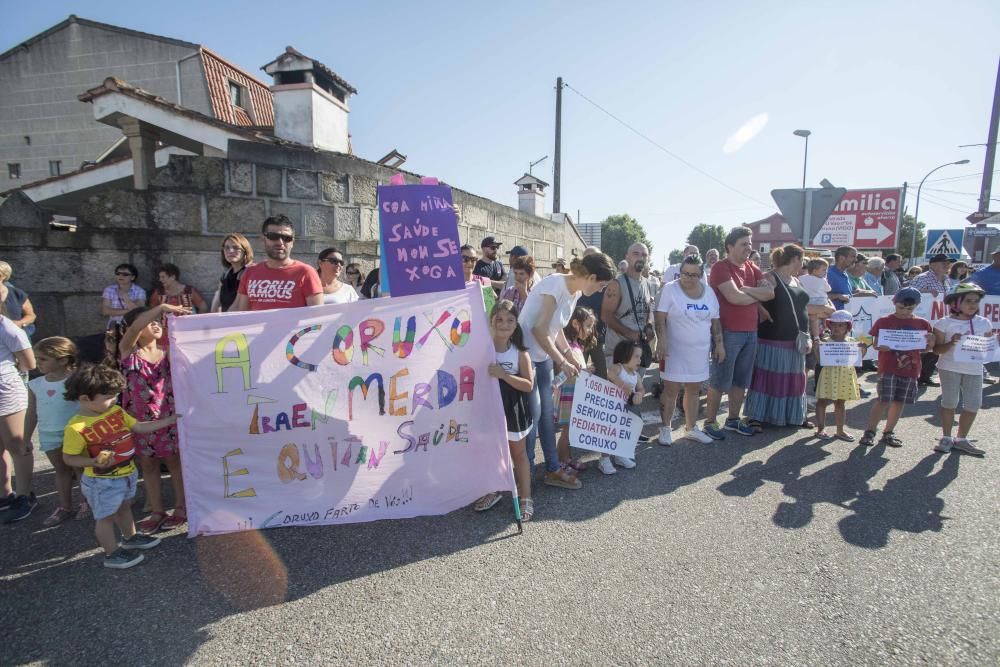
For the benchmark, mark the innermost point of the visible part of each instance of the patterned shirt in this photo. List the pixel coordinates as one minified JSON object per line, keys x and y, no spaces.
{"x":135,"y":293}
{"x":927,"y":282}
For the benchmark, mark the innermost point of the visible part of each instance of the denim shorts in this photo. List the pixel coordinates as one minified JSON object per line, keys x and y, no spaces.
{"x":737,"y":368}
{"x":106,"y":494}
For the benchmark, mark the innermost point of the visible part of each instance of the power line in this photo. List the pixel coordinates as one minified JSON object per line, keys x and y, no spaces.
{"x":931,"y":199}
{"x":665,"y":150}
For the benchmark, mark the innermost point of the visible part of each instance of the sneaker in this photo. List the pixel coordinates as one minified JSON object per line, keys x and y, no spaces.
{"x":563,"y":479}
{"x":944,"y":445}
{"x":58,"y":515}
{"x":713,"y":431}
{"x":623,"y":462}
{"x":666,"y":436}
{"x":7,"y":501}
{"x":139,"y":541}
{"x":965,"y":445}
{"x":606,"y":466}
{"x":739,"y":425}
{"x":698,"y":435}
{"x":122,"y":560}
{"x":21,"y":508}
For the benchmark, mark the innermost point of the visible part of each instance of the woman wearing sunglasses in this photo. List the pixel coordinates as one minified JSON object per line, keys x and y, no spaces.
{"x":123,"y":296}
{"x":331,"y":266}
{"x":355,"y":277}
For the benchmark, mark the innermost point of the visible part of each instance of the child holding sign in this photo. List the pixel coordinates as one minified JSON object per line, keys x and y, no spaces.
{"x":625,"y":375}
{"x":960,"y":376}
{"x":515,"y":373}
{"x":581,"y":336}
{"x":836,"y":384}
{"x":99,"y":440}
{"x":898,"y":368}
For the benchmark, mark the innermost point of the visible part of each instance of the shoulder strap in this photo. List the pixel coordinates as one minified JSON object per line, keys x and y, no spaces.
{"x":631,"y":296}
{"x":790,"y":299}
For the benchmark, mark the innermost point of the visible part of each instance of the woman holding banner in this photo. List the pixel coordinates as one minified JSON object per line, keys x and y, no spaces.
{"x":777,"y":392}
{"x":546,"y":311}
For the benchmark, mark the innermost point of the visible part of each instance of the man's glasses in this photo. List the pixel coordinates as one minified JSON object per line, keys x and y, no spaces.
{"x":126,"y":274}
{"x":467,"y":259}
{"x":277,"y":236}
{"x":333,"y":260}
{"x":690,"y":275}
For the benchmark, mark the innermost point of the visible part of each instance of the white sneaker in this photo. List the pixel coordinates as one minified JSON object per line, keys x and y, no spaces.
{"x":666,"y":436}
{"x":944,"y":444}
{"x":965,"y":445}
{"x":624,"y":462}
{"x":698,"y":435}
{"x":606,"y":466}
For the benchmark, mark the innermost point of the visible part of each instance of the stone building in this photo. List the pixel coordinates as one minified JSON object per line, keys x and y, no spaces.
{"x":187,"y":178}
{"x":48,"y":71}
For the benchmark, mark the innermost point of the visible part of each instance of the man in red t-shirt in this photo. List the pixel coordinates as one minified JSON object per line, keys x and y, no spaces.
{"x":280,"y":281}
{"x":735,"y":280}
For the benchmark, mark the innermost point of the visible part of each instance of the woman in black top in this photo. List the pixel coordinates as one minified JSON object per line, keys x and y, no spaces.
{"x":236,"y":256}
{"x":777,"y":392}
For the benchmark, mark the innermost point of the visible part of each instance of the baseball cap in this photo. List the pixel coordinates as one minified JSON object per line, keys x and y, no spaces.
{"x":906,"y":294}
{"x":490,"y":241}
{"x":939,"y":258}
{"x":518,"y":251}
{"x":560,"y":261}
{"x":841,"y":317}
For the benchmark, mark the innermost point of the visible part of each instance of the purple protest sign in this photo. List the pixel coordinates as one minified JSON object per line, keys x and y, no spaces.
{"x":419,"y":239}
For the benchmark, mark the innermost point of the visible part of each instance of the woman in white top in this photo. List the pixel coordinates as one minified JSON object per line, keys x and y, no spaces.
{"x":687,"y":321}
{"x":16,"y":356}
{"x":330,"y":266}
{"x":546,"y":311}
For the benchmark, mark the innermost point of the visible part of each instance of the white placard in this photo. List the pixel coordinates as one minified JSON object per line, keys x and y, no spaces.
{"x":902,"y":340}
{"x":832,"y":353}
{"x":599,"y":421}
{"x":977,"y":349}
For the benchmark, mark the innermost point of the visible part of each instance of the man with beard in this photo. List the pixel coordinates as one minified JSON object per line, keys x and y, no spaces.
{"x":280,"y":281}
{"x":489,"y":266}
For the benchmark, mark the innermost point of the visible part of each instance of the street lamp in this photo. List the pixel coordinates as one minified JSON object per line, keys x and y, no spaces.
{"x":916,"y":213}
{"x":805,"y":159}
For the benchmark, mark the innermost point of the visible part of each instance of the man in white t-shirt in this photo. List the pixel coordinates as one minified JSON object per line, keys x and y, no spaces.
{"x":674,"y":270}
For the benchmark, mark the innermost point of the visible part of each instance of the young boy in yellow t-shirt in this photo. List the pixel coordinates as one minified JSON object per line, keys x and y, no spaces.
{"x":99,"y":440}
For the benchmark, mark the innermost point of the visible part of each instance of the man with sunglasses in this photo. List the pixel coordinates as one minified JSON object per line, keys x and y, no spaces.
{"x":490,"y":267}
{"x":279,"y":281}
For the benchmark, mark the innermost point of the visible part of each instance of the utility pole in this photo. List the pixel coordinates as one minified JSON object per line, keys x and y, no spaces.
{"x":987,"y":187}
{"x":557,"y":163}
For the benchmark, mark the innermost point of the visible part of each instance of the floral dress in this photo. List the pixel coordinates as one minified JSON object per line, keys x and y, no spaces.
{"x":149,"y":395}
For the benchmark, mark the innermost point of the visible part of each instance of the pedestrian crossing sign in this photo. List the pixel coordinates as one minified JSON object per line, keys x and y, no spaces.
{"x":944,"y":242}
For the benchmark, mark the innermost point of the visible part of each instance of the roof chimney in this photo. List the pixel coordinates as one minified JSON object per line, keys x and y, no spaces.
{"x":531,"y":195}
{"x":310,"y":102}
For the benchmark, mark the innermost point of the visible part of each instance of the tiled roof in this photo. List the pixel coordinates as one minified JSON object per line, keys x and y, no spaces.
{"x":218,"y":73}
{"x":290,"y":51}
{"x":115,"y":85}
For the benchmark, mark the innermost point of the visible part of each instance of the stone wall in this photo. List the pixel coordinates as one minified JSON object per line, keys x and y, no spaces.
{"x":194,"y":201}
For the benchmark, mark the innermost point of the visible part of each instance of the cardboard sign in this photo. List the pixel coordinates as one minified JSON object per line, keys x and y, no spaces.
{"x":599,"y":421}
{"x":902,"y":340}
{"x":379,"y":409}
{"x":419,"y":239}
{"x":833,"y":353}
{"x":977,"y":349}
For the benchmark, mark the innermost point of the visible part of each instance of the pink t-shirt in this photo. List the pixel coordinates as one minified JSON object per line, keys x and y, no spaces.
{"x":735,"y":318}
{"x":287,"y":287}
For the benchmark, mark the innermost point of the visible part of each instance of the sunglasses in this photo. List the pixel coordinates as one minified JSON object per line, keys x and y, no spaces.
{"x":353,"y":273}
{"x":467,"y":259}
{"x":277,"y":236}
{"x":123,"y":273}
{"x":690,"y":275}
{"x":332,"y":260}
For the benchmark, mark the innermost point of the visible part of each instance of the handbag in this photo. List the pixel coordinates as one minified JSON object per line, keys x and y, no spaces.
{"x":647,"y":350}
{"x":802,"y":342}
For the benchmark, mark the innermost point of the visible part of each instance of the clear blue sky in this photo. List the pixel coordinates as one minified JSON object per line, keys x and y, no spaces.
{"x":466,"y":91}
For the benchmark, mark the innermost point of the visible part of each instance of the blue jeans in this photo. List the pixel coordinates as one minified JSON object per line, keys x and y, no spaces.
{"x":542,"y":414}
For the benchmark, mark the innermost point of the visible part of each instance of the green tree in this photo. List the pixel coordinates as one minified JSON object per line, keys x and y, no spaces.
{"x":618,"y":232}
{"x":905,"y":235}
{"x":675,"y":256}
{"x":707,"y":237}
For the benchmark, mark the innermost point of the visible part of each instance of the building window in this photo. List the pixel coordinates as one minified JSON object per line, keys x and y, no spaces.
{"x":55,"y":167}
{"x":785,"y":228}
{"x":13,"y":170}
{"x":236,"y":96}
{"x":764,"y":228}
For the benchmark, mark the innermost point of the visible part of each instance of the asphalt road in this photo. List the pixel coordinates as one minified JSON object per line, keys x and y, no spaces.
{"x":772,"y":549}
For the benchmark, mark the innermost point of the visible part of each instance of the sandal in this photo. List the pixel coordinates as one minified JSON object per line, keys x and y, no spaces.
{"x":487,"y":502}
{"x":57,"y":517}
{"x":868,"y":439}
{"x":807,"y":424}
{"x":823,"y":435}
{"x":757,"y":426}
{"x":83,"y":511}
{"x":527,"y":509}
{"x":152,"y":523}
{"x":889,"y":438}
{"x":175,"y":519}
{"x":845,"y":437}
{"x":576,"y":464}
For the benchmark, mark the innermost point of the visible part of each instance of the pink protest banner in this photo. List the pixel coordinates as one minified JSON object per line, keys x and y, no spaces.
{"x":337,"y":414}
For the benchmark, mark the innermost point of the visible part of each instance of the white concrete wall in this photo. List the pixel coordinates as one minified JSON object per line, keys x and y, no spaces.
{"x":329,"y":123}
{"x":306,"y":114}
